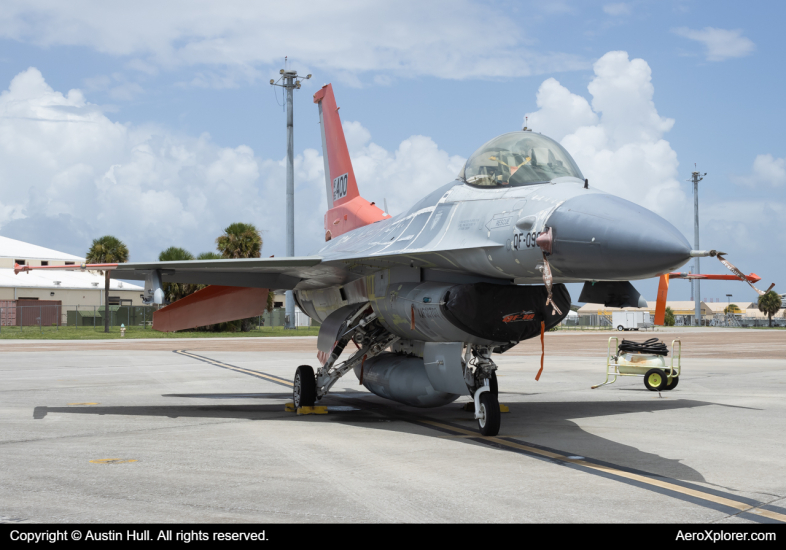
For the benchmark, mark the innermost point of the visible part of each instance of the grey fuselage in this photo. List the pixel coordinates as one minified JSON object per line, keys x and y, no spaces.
{"x":463,"y":234}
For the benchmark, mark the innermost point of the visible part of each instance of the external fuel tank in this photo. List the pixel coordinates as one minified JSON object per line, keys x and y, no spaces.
{"x":402,"y":378}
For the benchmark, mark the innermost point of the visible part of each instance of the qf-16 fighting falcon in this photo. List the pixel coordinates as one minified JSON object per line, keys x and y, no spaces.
{"x":428,"y":296}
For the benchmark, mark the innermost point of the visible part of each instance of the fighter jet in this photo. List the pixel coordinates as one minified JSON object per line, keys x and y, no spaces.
{"x":430,"y":295}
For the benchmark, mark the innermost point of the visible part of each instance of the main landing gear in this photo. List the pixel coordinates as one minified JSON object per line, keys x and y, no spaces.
{"x":304,"y":389}
{"x":371,"y":339}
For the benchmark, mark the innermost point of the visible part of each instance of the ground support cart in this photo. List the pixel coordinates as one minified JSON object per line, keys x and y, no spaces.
{"x":657,"y":377}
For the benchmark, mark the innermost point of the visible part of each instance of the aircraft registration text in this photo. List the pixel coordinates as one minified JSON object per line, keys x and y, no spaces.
{"x":340,"y":186}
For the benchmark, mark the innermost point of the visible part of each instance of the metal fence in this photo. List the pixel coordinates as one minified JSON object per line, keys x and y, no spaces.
{"x":29,"y":317}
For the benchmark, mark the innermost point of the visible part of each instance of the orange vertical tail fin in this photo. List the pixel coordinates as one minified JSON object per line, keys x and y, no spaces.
{"x":347,"y":210}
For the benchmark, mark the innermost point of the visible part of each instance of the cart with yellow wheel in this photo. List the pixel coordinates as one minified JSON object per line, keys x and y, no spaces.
{"x":652,"y":366}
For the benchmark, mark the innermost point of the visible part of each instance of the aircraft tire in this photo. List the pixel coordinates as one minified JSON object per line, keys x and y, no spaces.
{"x":490,"y":420}
{"x":655,"y":380}
{"x":673,"y":384}
{"x":304,"y":389}
{"x":493,"y":386}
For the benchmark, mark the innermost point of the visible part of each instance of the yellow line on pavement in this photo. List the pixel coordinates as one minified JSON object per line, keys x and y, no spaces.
{"x":743,"y":507}
{"x":463,"y":433}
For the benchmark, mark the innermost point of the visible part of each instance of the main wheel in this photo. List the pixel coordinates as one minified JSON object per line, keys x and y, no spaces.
{"x":489,"y":418}
{"x":493,"y":386}
{"x":655,"y":380}
{"x":620,"y":328}
{"x":673,"y":384}
{"x":304,"y":390}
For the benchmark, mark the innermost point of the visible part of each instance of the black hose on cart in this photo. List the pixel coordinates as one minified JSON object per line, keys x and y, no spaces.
{"x":653,"y":346}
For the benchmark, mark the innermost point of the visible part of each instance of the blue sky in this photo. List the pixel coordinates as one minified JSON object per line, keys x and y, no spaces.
{"x":173,"y":117}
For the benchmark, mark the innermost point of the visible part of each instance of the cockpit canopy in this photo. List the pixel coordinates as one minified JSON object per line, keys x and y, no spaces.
{"x":518,"y":158}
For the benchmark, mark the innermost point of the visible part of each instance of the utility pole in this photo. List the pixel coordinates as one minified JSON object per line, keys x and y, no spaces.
{"x":696,"y":178}
{"x":290,"y":83}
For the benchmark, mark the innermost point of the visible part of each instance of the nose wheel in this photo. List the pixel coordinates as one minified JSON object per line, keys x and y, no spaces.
{"x":489,"y":414}
{"x":304,"y":388}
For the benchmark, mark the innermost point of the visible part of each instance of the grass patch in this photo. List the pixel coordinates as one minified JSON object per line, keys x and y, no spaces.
{"x":88,"y":333}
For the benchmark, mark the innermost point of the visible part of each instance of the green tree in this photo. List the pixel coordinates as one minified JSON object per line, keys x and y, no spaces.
{"x":209,"y":256}
{"x":732,"y":308}
{"x":668,"y":319}
{"x":175,"y":291}
{"x":107,"y":250}
{"x":769,"y":304}
{"x":240,"y":240}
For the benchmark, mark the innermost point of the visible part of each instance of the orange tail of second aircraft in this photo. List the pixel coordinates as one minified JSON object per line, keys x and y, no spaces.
{"x":347,"y":210}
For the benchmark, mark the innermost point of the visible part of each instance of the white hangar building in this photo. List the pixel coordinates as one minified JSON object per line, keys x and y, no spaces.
{"x":70,"y":288}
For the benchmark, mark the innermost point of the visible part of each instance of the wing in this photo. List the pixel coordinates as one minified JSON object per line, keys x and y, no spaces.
{"x":278,"y":273}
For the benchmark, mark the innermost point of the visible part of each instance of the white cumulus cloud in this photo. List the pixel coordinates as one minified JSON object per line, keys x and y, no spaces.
{"x":767,"y":170}
{"x":454,"y":39}
{"x":617,"y":139}
{"x":721,"y":44}
{"x":69,"y":174}
{"x":417,"y":167}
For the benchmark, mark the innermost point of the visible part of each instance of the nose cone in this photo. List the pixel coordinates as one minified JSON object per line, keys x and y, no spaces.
{"x":603,"y":237}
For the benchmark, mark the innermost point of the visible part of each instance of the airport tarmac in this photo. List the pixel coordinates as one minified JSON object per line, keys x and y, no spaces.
{"x":195,"y":431}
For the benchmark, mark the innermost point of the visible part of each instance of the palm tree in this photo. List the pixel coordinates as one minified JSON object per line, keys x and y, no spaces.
{"x":176,"y":291}
{"x":769,"y":304}
{"x":668,"y":319}
{"x":240,"y":240}
{"x":107,"y":250}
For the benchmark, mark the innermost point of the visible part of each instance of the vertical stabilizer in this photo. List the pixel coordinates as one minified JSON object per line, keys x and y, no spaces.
{"x":347,"y":210}
{"x":339,"y":176}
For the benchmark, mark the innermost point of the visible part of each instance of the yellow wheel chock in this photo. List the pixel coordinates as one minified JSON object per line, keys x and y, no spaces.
{"x":290,"y":407}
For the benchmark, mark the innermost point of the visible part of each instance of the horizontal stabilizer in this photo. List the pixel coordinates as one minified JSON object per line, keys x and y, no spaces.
{"x":611,"y":294}
{"x":211,"y":305}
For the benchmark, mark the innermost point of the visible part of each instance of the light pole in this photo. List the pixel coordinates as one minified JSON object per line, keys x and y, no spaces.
{"x":696,"y":178}
{"x":290,"y":83}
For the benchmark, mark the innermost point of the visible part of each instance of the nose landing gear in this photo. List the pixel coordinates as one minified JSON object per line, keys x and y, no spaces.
{"x":486,"y":390}
{"x":488,"y":414}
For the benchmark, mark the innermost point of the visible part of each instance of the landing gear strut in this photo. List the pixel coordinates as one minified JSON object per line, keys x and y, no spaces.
{"x":369,"y":336}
